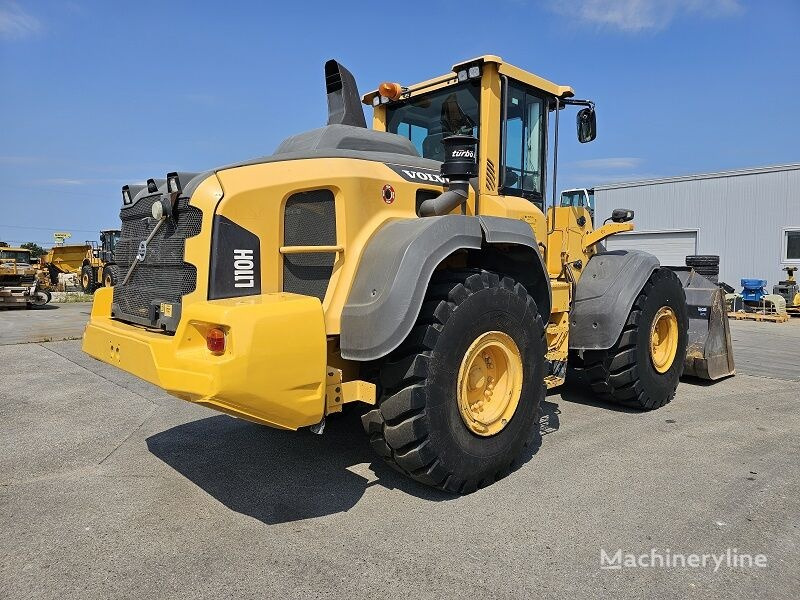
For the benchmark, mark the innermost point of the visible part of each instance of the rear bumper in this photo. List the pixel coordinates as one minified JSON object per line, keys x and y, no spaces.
{"x":272,"y":371}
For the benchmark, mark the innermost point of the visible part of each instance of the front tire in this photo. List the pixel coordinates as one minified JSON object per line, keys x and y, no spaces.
{"x":88,"y":279}
{"x":641,"y":370}
{"x":434,"y":426}
{"x":111,"y":275}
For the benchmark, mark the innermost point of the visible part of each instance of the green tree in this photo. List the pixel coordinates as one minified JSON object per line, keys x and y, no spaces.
{"x":36,"y":249}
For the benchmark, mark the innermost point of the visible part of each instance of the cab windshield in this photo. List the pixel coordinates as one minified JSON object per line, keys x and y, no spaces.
{"x":578,"y":198}
{"x":111,"y":238}
{"x":16,"y":256}
{"x":429,"y":118}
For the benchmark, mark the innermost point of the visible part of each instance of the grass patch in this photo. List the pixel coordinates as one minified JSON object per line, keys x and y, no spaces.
{"x":69,"y":297}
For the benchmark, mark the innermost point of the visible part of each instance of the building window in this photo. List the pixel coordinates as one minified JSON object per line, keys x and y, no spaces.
{"x":791,"y":245}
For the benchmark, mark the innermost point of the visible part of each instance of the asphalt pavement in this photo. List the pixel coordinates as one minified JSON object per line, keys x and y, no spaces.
{"x":111,"y":489}
{"x":51,"y":322}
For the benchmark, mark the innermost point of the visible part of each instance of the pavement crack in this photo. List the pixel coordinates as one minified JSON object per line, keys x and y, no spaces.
{"x":100,"y":375}
{"x":127,"y":437}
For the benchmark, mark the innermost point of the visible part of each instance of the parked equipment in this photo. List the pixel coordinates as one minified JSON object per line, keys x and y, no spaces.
{"x":789,"y":290}
{"x":754,"y":300}
{"x":413,"y":268}
{"x":19,"y":284}
{"x":93,"y":263}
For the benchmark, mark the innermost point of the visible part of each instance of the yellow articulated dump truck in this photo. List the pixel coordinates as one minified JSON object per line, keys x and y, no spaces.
{"x":412,"y":268}
{"x":93,"y":263}
{"x":19,"y":285}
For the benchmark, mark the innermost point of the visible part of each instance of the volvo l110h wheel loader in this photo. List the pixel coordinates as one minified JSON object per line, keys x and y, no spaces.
{"x":412,"y":267}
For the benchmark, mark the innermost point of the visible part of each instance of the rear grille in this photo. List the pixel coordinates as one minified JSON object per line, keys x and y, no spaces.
{"x":309,"y":219}
{"x":163,"y":276}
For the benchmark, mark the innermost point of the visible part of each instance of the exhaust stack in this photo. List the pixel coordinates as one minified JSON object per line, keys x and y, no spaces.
{"x":344,"y":104}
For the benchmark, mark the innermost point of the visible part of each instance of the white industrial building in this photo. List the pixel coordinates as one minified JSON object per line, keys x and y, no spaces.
{"x":749,"y":217}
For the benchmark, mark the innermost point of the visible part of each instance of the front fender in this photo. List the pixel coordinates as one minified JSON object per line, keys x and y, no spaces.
{"x":604,"y":296}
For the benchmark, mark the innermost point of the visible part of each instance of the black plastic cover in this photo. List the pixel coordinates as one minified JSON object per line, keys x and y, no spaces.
{"x":235,"y":261}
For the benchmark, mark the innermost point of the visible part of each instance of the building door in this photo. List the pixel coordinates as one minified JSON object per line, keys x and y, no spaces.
{"x":670,"y":247}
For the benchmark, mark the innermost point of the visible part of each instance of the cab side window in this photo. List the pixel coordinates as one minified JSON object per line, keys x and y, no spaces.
{"x":524,"y":143}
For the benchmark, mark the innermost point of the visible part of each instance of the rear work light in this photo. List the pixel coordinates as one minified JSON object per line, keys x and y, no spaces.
{"x":215,"y":340}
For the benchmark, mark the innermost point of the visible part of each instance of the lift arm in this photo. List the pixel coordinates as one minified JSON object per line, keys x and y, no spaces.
{"x":598,"y":235}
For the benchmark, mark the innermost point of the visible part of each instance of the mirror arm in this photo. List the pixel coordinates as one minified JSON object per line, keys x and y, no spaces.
{"x":576,"y":102}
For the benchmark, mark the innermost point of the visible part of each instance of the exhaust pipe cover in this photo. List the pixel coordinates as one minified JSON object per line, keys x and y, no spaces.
{"x":344,"y":104}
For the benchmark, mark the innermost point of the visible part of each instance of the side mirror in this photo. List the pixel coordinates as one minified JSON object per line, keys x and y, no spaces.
{"x":587,"y":125}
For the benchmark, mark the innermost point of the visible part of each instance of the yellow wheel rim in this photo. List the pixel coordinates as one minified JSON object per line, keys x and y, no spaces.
{"x":108,"y":281}
{"x":664,"y":339}
{"x":489,"y":383}
{"x":85,"y":281}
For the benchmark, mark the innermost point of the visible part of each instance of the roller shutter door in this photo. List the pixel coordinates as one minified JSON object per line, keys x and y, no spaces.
{"x":670,"y":247}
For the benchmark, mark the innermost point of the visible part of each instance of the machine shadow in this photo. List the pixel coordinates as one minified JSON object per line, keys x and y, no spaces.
{"x":576,"y":390}
{"x":282,"y":476}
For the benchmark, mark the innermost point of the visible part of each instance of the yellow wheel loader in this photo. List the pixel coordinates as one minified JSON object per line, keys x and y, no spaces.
{"x":20,"y":286}
{"x":413,"y":268}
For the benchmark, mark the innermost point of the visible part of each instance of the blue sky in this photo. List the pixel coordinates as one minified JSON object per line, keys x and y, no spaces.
{"x":98,"y":94}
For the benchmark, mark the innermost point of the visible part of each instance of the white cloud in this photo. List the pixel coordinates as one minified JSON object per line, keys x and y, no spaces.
{"x":643,"y":176}
{"x":609,"y":163}
{"x":641,"y":15}
{"x":60,"y":181}
{"x":15,"y":23}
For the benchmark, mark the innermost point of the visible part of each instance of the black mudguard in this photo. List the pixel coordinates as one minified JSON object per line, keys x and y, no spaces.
{"x":604,"y":296}
{"x":397,"y":265}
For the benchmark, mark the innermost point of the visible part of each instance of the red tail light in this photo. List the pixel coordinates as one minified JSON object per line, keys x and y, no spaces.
{"x":215,"y":340}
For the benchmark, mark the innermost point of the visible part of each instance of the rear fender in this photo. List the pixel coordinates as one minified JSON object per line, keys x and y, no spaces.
{"x":392,"y":278}
{"x":400,"y":259}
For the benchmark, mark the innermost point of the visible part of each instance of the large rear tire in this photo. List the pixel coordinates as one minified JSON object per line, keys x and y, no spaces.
{"x":460,"y":397}
{"x":641,"y":370}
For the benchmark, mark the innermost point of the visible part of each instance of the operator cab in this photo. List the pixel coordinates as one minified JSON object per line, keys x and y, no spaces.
{"x":15,"y":256}
{"x":579,"y":197}
{"x":108,"y":242}
{"x":503,"y":106}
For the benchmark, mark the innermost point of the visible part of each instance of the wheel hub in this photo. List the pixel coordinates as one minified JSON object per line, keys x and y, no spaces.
{"x":489,"y":383}
{"x":664,"y":339}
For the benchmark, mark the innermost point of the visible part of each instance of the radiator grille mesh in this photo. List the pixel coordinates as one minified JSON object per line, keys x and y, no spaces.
{"x":309,"y":219}
{"x":163,"y":276}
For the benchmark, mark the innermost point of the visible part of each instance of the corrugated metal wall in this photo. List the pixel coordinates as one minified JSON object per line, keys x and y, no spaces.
{"x":739,"y":215}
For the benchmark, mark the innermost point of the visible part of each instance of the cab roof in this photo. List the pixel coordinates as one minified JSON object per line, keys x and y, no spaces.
{"x":526,"y":77}
{"x":14,"y":249}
